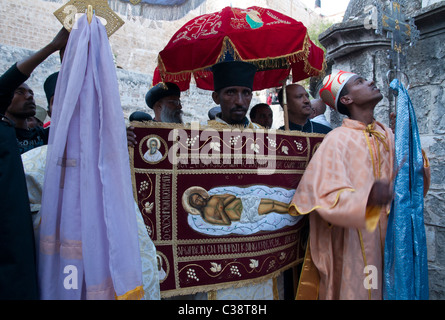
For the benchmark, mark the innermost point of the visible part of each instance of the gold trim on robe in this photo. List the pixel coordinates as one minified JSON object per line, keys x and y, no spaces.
{"x":345,"y":234}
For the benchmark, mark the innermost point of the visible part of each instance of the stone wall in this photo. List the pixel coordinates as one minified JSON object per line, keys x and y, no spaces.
{"x":427,"y":73}
{"x":353,"y":47}
{"x":29,"y":25}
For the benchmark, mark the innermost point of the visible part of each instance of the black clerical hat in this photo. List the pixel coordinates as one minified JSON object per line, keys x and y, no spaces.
{"x":160,"y":91}
{"x":213,"y":112}
{"x":233,"y":74}
{"x":140,"y":116}
{"x":50,"y":86}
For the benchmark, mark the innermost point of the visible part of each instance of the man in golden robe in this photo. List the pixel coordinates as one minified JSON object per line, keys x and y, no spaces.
{"x":347,"y":190}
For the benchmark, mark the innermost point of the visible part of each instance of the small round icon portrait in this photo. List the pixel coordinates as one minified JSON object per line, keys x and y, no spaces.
{"x":163,"y":266}
{"x":155,"y":151}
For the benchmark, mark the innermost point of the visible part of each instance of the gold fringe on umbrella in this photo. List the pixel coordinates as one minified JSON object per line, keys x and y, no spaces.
{"x":263,"y":64}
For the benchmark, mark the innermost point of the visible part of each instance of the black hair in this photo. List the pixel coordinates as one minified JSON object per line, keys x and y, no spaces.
{"x":340,"y":106}
{"x":255,"y":108}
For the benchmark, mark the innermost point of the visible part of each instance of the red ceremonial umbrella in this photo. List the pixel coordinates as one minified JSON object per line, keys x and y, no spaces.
{"x":274,"y":42}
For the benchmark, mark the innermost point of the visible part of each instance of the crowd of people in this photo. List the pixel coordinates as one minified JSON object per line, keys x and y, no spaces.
{"x":346,"y":189}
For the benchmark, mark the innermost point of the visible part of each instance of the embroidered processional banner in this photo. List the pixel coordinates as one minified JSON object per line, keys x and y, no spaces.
{"x":214,"y":201}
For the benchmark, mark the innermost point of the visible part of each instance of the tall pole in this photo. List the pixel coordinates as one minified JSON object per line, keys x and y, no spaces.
{"x":394,"y":22}
{"x":398,"y":74}
{"x":285,"y":109}
{"x":286,"y":115}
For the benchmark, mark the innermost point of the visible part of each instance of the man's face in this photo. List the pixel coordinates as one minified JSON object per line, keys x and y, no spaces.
{"x":234,"y":102}
{"x":197,"y":201}
{"x":298,"y":102}
{"x":153,"y":146}
{"x":317,"y":108}
{"x":264,"y":117}
{"x":23,"y":105}
{"x":171,"y":111}
{"x":363,"y":91}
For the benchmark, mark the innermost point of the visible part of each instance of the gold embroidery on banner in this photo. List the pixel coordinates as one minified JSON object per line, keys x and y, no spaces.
{"x":175,"y":223}
{"x":234,"y":266}
{"x":239,"y":239}
{"x":221,"y":127}
{"x":217,"y":171}
{"x":153,"y":182}
{"x":226,"y":241}
{"x":163,"y":266}
{"x":234,"y":142}
{"x":233,"y":284}
{"x":158,"y":205}
{"x":147,"y":139}
{"x":281,"y":259}
{"x":148,"y":207}
{"x":315,"y":148}
{"x":241,"y":255}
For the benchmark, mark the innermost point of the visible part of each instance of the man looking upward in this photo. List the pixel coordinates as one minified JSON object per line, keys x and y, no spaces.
{"x":347,"y":191}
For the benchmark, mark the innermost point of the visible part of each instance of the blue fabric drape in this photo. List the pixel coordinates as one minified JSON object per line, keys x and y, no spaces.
{"x":405,"y":257}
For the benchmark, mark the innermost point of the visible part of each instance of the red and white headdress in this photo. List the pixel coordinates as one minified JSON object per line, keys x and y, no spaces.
{"x":332,"y":86}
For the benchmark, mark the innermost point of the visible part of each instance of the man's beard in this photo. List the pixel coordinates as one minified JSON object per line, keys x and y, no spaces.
{"x":171,"y":116}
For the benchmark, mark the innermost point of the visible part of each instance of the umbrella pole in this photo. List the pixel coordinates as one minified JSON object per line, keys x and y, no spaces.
{"x":286,"y":115}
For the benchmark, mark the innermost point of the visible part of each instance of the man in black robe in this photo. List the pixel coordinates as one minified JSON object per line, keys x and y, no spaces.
{"x":18,"y":276}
